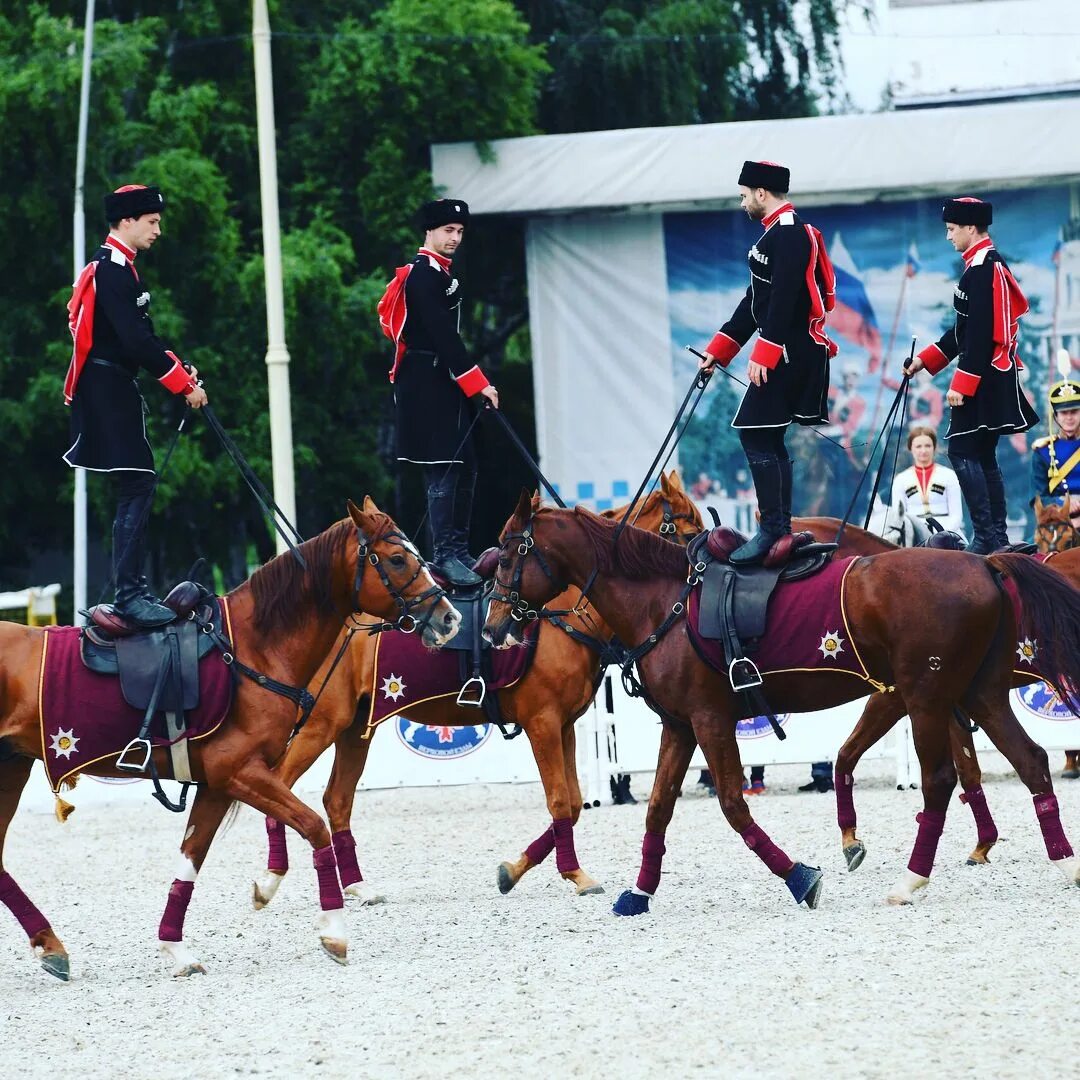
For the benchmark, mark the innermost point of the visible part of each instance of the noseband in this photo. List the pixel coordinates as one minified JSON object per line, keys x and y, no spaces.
{"x":1055,"y":536}
{"x":406,"y":622}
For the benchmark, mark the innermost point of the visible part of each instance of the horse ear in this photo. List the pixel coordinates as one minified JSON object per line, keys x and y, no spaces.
{"x":523,"y":510}
{"x":536,"y":500}
{"x":1068,"y":499}
{"x":355,"y":512}
{"x":369,"y":506}
{"x":665,"y":484}
{"x":673,"y":482}
{"x":1038,"y":504}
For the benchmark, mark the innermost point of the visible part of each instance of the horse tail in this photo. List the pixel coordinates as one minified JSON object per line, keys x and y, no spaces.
{"x":1050,"y":615}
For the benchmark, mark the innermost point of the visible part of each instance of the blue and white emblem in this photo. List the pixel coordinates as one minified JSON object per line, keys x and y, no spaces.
{"x":757,"y":727}
{"x":441,"y":742}
{"x":1043,"y":700}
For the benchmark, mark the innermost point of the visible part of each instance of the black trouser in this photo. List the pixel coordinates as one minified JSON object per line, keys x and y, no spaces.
{"x":770,"y":466}
{"x":450,"y":491}
{"x":974,"y":460}
{"x":134,"y":492}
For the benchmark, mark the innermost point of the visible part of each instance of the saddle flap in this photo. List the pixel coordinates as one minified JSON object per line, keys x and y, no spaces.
{"x":473,"y":608}
{"x":140,"y":660}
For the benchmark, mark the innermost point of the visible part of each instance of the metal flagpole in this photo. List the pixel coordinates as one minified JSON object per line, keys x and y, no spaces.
{"x":79,"y":246}
{"x":277,"y":355}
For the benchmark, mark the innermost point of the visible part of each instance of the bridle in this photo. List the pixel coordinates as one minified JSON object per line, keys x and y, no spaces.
{"x":406,"y":622}
{"x":668,"y":528}
{"x":1055,"y":535}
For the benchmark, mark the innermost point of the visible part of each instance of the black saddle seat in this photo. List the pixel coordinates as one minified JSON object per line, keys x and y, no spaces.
{"x":945,"y":541}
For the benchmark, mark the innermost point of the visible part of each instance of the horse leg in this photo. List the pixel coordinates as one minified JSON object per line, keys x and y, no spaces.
{"x":722,"y":753}
{"x":350,"y":757}
{"x":677,"y":744}
{"x":207,"y":812}
{"x":967,"y":768}
{"x":255,"y":785}
{"x":545,"y":735}
{"x":930,"y":730}
{"x":878,"y":718}
{"x":1033,"y":767}
{"x":46,"y":945}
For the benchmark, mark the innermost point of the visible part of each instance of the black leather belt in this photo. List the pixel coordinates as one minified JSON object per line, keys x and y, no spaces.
{"x":111,"y":364}
{"x":420,"y":352}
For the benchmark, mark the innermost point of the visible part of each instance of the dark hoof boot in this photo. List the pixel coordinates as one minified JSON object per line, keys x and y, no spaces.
{"x":458,"y":574}
{"x":142,"y":612}
{"x":506,"y":882}
{"x":620,"y":791}
{"x":855,"y":854}
{"x":754,"y":550}
{"x":57,"y":965}
{"x":804,"y":883}
{"x":1070,"y":774}
{"x":631,"y":903}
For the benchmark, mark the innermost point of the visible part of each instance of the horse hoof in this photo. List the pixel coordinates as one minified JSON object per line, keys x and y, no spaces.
{"x":804,"y":883}
{"x":595,"y":889}
{"x":631,"y":903}
{"x":58,"y":965}
{"x":264,"y":888}
{"x":977,"y":860}
{"x":189,"y":969}
{"x":505,"y":877}
{"x":1070,"y":774}
{"x":363,"y":892}
{"x":855,"y":853}
{"x":337,"y":950}
{"x":895,"y":900}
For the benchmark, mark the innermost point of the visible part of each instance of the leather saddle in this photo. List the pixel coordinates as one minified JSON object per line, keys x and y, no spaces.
{"x":734,"y":601}
{"x":168,"y":655}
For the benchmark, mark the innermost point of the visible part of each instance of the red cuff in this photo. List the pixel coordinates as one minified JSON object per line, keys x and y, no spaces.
{"x":963,"y":382}
{"x":723,"y":348}
{"x":934,"y":360}
{"x":177,"y":378}
{"x":766,"y":353}
{"x":472,"y":382}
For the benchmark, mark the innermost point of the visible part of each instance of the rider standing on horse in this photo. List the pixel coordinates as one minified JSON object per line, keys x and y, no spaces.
{"x":985,"y":395}
{"x":434,"y":382}
{"x":109,"y":316}
{"x":1055,"y":458}
{"x":791,"y":291}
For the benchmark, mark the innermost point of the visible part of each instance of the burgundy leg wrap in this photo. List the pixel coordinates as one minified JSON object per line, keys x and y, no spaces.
{"x":652,"y":855}
{"x":976,"y":799}
{"x":278,"y":857}
{"x":931,"y":822}
{"x":171,"y":927}
{"x":565,"y":855}
{"x":345,"y":853}
{"x":330,"y":897}
{"x":845,"y":801}
{"x":755,"y":839}
{"x":18,"y":903}
{"x":541,"y":847}
{"x":1057,"y":844}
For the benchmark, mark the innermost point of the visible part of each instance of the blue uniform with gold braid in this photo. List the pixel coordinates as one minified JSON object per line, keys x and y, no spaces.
{"x":1055,"y":459}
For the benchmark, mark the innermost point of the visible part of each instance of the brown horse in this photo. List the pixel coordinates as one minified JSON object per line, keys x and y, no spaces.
{"x":284,"y":621}
{"x":884,"y":711}
{"x":955,"y":653}
{"x":1054,"y":527}
{"x":557,"y":688}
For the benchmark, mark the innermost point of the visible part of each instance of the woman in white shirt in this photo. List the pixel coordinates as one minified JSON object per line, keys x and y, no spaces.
{"x":927,"y":489}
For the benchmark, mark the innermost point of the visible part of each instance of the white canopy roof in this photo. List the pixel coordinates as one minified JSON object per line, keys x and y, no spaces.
{"x":846,"y":158}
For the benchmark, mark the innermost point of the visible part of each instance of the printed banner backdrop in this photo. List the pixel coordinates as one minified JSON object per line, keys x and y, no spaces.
{"x":895,"y":278}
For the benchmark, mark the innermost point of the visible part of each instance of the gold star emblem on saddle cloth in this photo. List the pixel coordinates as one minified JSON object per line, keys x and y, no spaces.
{"x":64,"y":743}
{"x":832,"y":644}
{"x":393,"y":687}
{"x":1027,"y":650}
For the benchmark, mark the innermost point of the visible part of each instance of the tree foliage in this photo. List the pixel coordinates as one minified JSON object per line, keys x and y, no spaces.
{"x":362,"y":91}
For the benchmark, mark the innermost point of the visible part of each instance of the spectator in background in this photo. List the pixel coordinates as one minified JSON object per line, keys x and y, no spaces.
{"x":927,"y":489}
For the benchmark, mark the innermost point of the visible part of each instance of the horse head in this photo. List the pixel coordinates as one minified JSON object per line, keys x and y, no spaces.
{"x":1054,"y":528}
{"x":667,"y":510}
{"x":392,"y":581}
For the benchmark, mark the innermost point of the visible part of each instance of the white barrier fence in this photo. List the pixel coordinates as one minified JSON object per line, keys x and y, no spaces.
{"x":618,"y":734}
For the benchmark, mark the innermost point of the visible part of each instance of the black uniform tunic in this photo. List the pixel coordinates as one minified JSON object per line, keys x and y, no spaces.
{"x":435,"y":378}
{"x":983,"y":341}
{"x":107,"y":408}
{"x":785,"y":265}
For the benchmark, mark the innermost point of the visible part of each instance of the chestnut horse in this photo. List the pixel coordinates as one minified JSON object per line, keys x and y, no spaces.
{"x":1054,"y":527}
{"x":883,"y":711}
{"x":557,"y":688}
{"x":284,"y":621}
{"x":955,"y":652}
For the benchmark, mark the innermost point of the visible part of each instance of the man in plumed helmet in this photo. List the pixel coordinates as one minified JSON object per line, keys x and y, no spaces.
{"x":436,"y":384}
{"x":109,"y":318}
{"x":791,"y":290}
{"x":985,"y":395}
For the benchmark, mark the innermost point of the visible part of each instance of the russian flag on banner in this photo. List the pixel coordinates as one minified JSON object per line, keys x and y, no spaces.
{"x":853,"y":317}
{"x":912,"y":266}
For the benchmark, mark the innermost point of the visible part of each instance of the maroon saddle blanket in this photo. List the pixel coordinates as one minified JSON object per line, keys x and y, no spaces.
{"x":406,"y":673}
{"x":806,"y":628}
{"x":84,"y":718}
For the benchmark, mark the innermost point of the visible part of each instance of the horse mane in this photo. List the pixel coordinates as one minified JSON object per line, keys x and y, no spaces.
{"x":282,"y":585}
{"x":637,"y":556}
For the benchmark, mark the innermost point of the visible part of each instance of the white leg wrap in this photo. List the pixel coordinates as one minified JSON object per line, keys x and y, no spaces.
{"x":1070,"y":867}
{"x":903,"y":892}
{"x":365,"y":893}
{"x":331,"y":926}
{"x":185,"y":870}
{"x":184,"y":961}
{"x":641,"y":892}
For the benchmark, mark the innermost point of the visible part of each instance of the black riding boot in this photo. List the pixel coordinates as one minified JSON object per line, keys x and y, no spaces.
{"x":463,"y":504}
{"x":786,"y":469}
{"x":973,"y":485}
{"x":129,"y":530}
{"x":999,"y":514}
{"x":767,"y":472}
{"x":441,"y":493}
